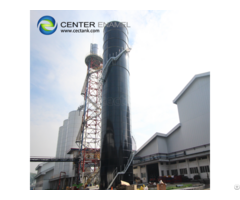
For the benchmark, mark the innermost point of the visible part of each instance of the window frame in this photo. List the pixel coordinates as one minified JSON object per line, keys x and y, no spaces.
{"x":205,"y":169}
{"x":193,"y":170}
{"x":143,"y":175}
{"x":174,"y":170}
{"x":181,"y":161}
{"x":183,"y":170}
{"x":162,"y":172}
{"x":192,"y":159}
{"x":202,"y":158}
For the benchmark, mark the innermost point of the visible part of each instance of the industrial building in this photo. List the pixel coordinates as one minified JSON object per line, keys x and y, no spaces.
{"x":49,"y":173}
{"x":66,"y":140}
{"x":79,"y":137}
{"x":100,"y":129}
{"x":184,"y":150}
{"x":45,"y":172}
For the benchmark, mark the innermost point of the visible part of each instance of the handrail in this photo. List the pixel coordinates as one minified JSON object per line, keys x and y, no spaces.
{"x":125,"y":169}
{"x":105,"y":69}
{"x":171,"y":154}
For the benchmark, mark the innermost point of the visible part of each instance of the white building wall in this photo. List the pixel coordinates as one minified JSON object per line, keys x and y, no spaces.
{"x":143,"y":169}
{"x":162,"y":145}
{"x":171,"y":167}
{"x":163,"y":167}
{"x":42,"y":181}
{"x":46,"y":166}
{"x":137,"y":172}
{"x":39,"y":183}
{"x":47,"y":176}
{"x":204,"y":162}
{"x":151,"y":148}
{"x":194,"y":115}
{"x":191,"y":165}
{"x":182,"y":166}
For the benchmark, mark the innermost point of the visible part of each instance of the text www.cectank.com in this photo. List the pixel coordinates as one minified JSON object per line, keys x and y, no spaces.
{"x":80,"y":31}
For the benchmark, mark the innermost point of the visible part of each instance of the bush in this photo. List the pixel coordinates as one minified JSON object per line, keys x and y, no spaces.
{"x":174,"y":187}
{"x":78,"y":186}
{"x":185,"y":179}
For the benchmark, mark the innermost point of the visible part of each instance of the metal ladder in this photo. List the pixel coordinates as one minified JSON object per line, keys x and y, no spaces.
{"x":122,"y":172}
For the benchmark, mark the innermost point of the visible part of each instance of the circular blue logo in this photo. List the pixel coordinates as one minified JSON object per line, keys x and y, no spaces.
{"x":43,"y":26}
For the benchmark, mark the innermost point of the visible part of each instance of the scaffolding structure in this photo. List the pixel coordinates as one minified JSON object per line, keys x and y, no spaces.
{"x":88,"y":138}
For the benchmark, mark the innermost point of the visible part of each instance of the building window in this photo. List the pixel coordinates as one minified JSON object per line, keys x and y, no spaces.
{"x":204,"y":169}
{"x":166,"y":163}
{"x":172,"y":163}
{"x":162,"y":173}
{"x":182,"y":161}
{"x":168,"y":172}
{"x":161,"y":163}
{"x":194,"y":170}
{"x":174,"y":172}
{"x":202,"y":158}
{"x":192,"y":159}
{"x":135,"y":175}
{"x":134,"y":167}
{"x":183,"y":171}
{"x":143,"y":175}
{"x":142,"y":166}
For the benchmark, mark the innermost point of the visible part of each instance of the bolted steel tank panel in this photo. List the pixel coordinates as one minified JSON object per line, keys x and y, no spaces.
{"x":116,"y":139}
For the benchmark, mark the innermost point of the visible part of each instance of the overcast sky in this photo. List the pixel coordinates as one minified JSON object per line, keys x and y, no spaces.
{"x":168,"y":49}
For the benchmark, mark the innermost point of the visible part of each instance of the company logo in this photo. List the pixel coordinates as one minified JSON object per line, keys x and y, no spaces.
{"x":236,"y":186}
{"x":43,"y":28}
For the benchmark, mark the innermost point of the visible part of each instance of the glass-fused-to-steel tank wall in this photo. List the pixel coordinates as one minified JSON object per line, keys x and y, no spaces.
{"x":116,"y":140}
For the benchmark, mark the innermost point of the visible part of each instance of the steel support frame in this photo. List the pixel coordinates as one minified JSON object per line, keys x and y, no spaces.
{"x":91,"y":121}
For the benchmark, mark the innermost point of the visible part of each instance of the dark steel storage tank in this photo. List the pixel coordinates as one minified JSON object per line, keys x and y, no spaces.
{"x":116,"y":140}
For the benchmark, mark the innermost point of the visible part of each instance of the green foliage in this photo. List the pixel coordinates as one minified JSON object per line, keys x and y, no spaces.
{"x":174,"y":187}
{"x":78,"y":186}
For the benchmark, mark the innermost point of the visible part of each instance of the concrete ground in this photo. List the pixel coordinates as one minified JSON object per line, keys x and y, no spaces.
{"x":207,"y":186}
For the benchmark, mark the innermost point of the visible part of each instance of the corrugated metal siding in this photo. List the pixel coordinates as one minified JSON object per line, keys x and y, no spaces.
{"x":194,"y":114}
{"x":151,"y":148}
{"x":174,"y":141}
{"x":195,"y":101}
{"x":162,"y":145}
